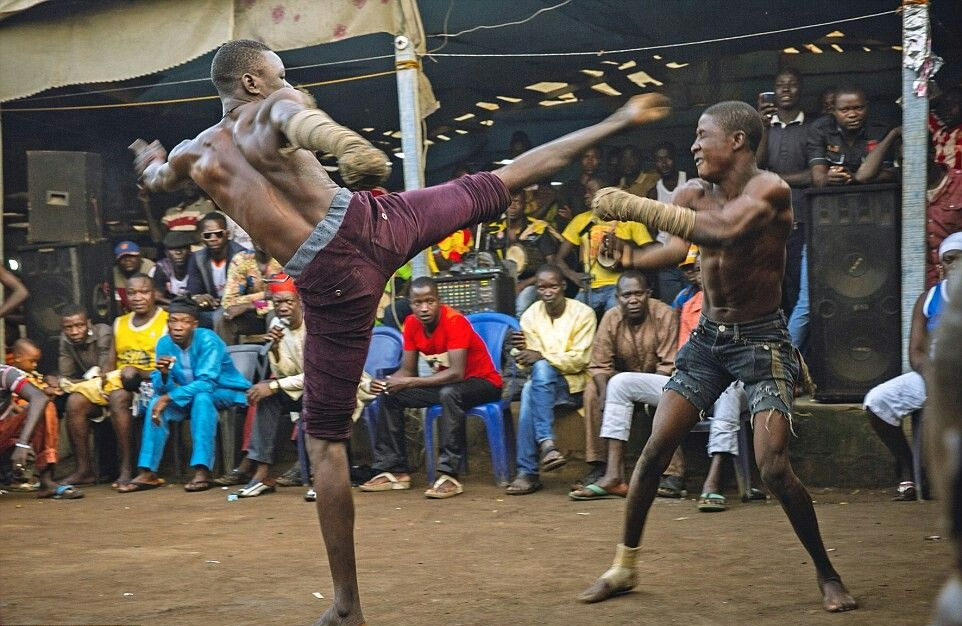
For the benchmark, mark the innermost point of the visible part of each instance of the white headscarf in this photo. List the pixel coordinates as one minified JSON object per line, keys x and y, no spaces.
{"x":952,"y":242}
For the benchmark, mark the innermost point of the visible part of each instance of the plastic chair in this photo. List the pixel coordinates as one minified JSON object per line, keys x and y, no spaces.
{"x":743,"y":467}
{"x":494,"y":329}
{"x":383,"y":358}
{"x":251,"y":361}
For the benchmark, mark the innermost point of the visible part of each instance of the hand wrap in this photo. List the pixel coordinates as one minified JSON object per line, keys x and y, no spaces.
{"x":611,"y":203}
{"x":357,"y":160}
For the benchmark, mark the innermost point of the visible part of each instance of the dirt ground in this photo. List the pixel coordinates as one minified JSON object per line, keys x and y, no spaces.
{"x":166,"y":557}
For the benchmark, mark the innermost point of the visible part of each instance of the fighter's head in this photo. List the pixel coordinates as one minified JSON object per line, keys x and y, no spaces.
{"x":727,"y":133}
{"x":248,"y":69}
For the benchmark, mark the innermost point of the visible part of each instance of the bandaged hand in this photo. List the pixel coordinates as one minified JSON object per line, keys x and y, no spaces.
{"x":358,"y":160}
{"x":611,"y":203}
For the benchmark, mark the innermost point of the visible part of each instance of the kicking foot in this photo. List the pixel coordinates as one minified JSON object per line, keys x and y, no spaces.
{"x":332,"y":617}
{"x":835,"y":596}
{"x":386,"y":481}
{"x":79,"y":479}
{"x":646,"y":108}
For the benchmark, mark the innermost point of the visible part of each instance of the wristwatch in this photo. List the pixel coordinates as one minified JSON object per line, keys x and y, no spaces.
{"x":274,"y":385}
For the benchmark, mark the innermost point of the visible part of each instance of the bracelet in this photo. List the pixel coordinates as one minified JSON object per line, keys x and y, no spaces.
{"x":25,"y":446}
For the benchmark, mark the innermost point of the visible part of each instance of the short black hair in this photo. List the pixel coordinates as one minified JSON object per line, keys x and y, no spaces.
{"x":666,"y":145}
{"x":734,"y":116}
{"x":850,"y":89}
{"x":72,"y":308}
{"x":632,"y":274}
{"x":233,"y":60}
{"x":22,"y":344}
{"x":423,"y":281}
{"x":790,"y":71}
{"x":215,"y":216}
{"x":141,"y":276}
{"x":550,"y":268}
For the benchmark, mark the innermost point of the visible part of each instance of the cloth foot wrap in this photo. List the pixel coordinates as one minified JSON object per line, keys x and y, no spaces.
{"x":611,"y":203}
{"x":357,"y":160}
{"x":621,"y":575}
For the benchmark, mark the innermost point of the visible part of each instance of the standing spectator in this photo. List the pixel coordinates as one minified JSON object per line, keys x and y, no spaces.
{"x":30,"y":430}
{"x":246,"y":300}
{"x":449,"y":251}
{"x":574,"y":190}
{"x":186,"y":215}
{"x":556,"y":344}
{"x":276,"y":398}
{"x":207,"y":274}
{"x":463,"y":376}
{"x":170,"y":273}
{"x":782,"y":150}
{"x":943,"y":214}
{"x":128,"y":263}
{"x":945,"y":125}
{"x":135,"y":338}
{"x":638,"y":335}
{"x":195,"y":376}
{"x":826,"y":101}
{"x":670,"y":279}
{"x":634,"y":178}
{"x":888,"y":403}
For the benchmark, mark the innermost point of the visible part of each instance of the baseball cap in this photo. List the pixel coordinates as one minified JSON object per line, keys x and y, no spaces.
{"x":126,"y":247}
{"x":692,"y":256}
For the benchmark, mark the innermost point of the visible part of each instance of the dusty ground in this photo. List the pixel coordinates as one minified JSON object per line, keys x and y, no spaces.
{"x":171,"y":558}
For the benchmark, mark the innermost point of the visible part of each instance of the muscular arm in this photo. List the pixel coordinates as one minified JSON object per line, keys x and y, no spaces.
{"x":16,"y":294}
{"x":157,"y":172}
{"x":743,"y":215}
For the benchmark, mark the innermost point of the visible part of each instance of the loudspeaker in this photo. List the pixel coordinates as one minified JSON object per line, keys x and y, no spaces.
{"x":477,"y":291}
{"x":80,"y":273}
{"x":854,"y":290}
{"x":65,"y":196}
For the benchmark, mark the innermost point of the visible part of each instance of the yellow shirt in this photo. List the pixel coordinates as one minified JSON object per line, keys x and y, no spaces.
{"x":564,"y":342}
{"x":135,"y":345}
{"x":590,"y":243}
{"x":450,"y":248}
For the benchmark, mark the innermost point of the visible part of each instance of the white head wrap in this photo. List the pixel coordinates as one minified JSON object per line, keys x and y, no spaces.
{"x":952,"y":242}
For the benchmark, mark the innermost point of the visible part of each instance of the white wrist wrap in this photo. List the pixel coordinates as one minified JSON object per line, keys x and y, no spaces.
{"x":611,"y":203}
{"x":358,"y":160}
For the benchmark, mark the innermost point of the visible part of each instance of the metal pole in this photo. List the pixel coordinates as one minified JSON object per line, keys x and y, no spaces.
{"x":915,"y":110}
{"x":407,"y":64}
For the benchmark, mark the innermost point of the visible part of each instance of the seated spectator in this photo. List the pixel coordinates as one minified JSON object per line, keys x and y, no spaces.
{"x":837,"y":150}
{"x":25,"y":355}
{"x":943,"y":213}
{"x":276,"y":398}
{"x":135,"y":337}
{"x":30,"y":429}
{"x":463,"y":376}
{"x":238,"y":235}
{"x":888,"y":403}
{"x":541,"y":201}
{"x":556,"y":344}
{"x":170,"y":273}
{"x":129,"y":262}
{"x":670,"y":280}
{"x":394,"y":306}
{"x":590,"y":239}
{"x":83,"y":345}
{"x":246,"y":300}
{"x":535,"y":236}
{"x":194,"y":377}
{"x":638,"y":335}
{"x":207,"y":273}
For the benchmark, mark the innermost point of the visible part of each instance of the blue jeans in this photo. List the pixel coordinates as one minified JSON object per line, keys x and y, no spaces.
{"x":798,"y":322}
{"x":601,"y":298}
{"x":527,"y":297}
{"x":545,"y":388}
{"x":203,"y":427}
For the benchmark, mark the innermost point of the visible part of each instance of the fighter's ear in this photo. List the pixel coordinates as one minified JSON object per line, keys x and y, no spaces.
{"x":250,"y":83}
{"x":738,"y":140}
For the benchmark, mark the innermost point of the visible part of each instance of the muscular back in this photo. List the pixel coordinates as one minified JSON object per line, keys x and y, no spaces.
{"x":742,"y":243}
{"x":240,"y":162}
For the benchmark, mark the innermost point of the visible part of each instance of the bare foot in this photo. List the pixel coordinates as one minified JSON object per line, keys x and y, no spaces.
{"x":79,"y":479}
{"x":835,"y":596}
{"x":331,"y":617}
{"x":601,"y":590}
{"x":647,"y":108}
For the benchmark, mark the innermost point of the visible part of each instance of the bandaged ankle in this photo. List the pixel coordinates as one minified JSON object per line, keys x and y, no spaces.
{"x":615,"y":204}
{"x":314,"y":130}
{"x":621,"y":574}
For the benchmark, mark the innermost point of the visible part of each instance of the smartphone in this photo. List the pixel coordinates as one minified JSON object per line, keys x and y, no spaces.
{"x":767,"y":97}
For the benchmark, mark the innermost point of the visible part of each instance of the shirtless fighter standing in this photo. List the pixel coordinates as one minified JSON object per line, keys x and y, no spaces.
{"x":257,"y":164}
{"x":740,"y":217}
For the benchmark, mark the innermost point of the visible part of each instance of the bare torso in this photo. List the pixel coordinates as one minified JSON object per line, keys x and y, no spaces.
{"x":742,"y":280}
{"x":278,"y":198}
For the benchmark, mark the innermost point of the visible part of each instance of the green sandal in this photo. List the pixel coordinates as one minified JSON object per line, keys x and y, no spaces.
{"x":712,"y":503}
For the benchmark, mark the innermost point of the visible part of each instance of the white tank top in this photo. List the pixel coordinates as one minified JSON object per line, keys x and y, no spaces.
{"x":664,"y":195}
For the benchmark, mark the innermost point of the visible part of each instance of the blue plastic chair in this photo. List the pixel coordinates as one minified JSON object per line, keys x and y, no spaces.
{"x":494,"y":329}
{"x":383,"y":358}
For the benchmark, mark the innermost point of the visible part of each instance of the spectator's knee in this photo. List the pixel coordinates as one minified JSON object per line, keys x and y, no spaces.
{"x":119,"y":400}
{"x":130,"y":378}
{"x":542,"y":371}
{"x":449,"y":393}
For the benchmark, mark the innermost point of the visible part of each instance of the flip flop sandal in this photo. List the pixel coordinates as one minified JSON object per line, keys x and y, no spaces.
{"x":63,"y":492}
{"x":523,"y":485}
{"x":552,"y":459}
{"x":310,"y":496}
{"x":444,"y":478}
{"x":136,"y":485}
{"x":392,"y":483}
{"x":712,"y":503}
{"x":197,"y":485}
{"x":597,"y":492}
{"x":254,"y":488}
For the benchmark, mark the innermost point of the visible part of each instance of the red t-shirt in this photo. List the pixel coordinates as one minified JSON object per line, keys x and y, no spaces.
{"x":453,"y":332}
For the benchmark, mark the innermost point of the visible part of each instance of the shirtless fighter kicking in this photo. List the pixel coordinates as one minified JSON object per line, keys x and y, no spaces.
{"x":257,"y":164}
{"x":740,"y":217}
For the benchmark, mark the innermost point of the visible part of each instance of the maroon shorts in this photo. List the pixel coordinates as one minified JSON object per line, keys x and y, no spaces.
{"x":343,"y":266}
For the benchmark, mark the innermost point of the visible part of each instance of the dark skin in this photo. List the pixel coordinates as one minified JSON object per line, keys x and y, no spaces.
{"x":788,"y":91}
{"x":239,"y":309}
{"x":129,"y":264}
{"x":516,"y":223}
{"x":36,"y":405}
{"x":742,"y":222}
{"x":15,"y":292}
{"x":238,"y":163}
{"x":214,"y":235}
{"x":850,"y":113}
{"x":142,"y":299}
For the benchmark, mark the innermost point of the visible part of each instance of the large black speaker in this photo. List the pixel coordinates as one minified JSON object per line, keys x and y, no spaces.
{"x":477,"y":290}
{"x":59,"y":275}
{"x":854,"y":289}
{"x":65,"y":196}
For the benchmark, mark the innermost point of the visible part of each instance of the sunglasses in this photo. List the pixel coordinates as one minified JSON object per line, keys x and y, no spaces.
{"x":214,"y":234}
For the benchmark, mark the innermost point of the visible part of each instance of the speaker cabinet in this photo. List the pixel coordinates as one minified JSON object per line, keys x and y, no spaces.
{"x":65,"y":190}
{"x":477,"y":291}
{"x":61,"y":275}
{"x":854,"y":290}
